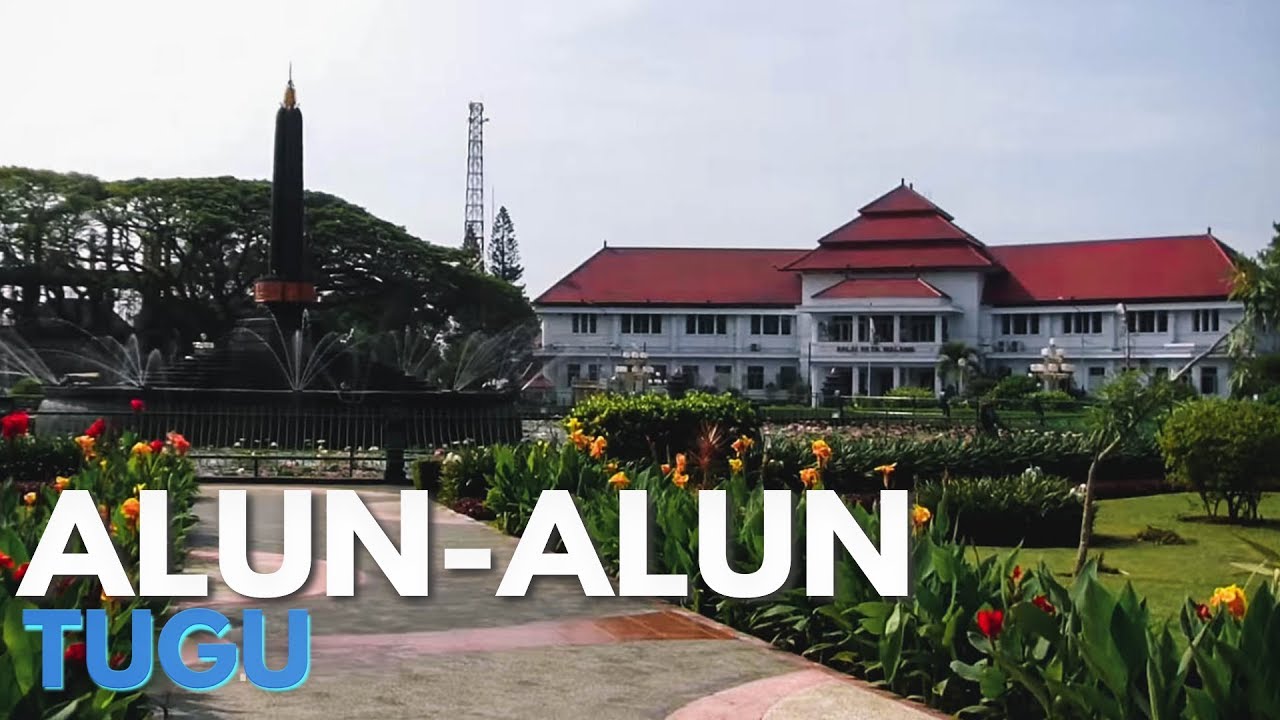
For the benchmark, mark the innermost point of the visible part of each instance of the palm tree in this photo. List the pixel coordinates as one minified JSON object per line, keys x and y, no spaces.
{"x":959,"y":362}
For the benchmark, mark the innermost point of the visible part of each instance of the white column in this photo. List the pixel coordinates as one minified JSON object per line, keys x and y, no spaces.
{"x":815,"y":385}
{"x":937,"y":328}
{"x":897,"y":376}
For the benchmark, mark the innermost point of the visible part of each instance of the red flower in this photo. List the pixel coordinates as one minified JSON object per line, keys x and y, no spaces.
{"x":20,"y":572}
{"x":15,"y":424}
{"x":98,"y":427}
{"x":1042,"y":602}
{"x":137,"y":405}
{"x":1016,"y":576}
{"x":157,"y":446}
{"x":75,"y":652}
{"x":1203,"y":612}
{"x":118,"y":660}
{"x":6,"y":562}
{"x":991,"y":622}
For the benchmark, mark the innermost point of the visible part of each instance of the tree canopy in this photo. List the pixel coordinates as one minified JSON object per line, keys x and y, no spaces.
{"x":183,"y":254}
{"x":504,"y":252}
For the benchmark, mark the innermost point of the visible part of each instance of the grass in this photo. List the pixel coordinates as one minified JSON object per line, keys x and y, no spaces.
{"x":1168,"y":574}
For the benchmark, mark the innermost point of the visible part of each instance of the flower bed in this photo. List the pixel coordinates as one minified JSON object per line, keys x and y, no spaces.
{"x":985,"y":638}
{"x":114,"y":465}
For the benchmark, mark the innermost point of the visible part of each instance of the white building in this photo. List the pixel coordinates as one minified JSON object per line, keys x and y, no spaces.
{"x":870,"y":307}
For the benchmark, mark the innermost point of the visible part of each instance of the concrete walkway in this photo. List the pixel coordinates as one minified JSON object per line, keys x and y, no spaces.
{"x":463,"y":653}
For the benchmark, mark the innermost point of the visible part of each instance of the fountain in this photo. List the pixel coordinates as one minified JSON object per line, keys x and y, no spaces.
{"x":269,"y":381}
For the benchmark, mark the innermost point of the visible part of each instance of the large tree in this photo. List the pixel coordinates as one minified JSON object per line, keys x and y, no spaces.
{"x":471,"y":247}
{"x":184,"y":254}
{"x":1257,"y":286}
{"x":504,"y":253}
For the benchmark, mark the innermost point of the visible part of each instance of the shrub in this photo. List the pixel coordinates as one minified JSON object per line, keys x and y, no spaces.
{"x":1054,"y":400}
{"x":1225,"y":450}
{"x":1031,"y":509}
{"x":425,"y":473}
{"x":656,"y":427}
{"x":1014,"y":387}
{"x":464,"y":473}
{"x":27,"y":389}
{"x":38,"y":459}
{"x":912,"y":391}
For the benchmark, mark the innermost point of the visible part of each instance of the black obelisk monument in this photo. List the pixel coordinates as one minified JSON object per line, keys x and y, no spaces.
{"x":289,"y":287}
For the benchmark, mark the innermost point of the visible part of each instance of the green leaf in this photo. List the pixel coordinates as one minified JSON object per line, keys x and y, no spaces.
{"x":20,"y":645}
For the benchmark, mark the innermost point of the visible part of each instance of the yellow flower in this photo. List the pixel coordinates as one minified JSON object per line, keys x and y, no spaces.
{"x":102,"y":510}
{"x":29,"y":499}
{"x":611,"y":466}
{"x":887,"y":472}
{"x":681,"y":463}
{"x":920,"y":516}
{"x":619,"y":481}
{"x":61,"y":483}
{"x":809,"y":476}
{"x":598,"y":447}
{"x":575,"y":425}
{"x":679,"y":479}
{"x":137,"y":489}
{"x":102,"y":464}
{"x":1232,"y":597}
{"x":742,"y":445}
{"x":86,"y":443}
{"x":821,"y":451}
{"x":141,"y":449}
{"x":735,"y":465}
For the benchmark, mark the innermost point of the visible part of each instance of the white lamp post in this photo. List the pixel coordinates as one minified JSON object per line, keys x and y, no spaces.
{"x":1122,"y":317}
{"x":1054,"y":367}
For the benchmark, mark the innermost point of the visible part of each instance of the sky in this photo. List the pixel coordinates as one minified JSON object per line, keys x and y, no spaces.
{"x":744,"y":123}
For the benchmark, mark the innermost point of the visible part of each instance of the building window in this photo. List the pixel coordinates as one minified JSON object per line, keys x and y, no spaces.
{"x":706,"y":324}
{"x":1019,"y":324}
{"x":770,"y":325}
{"x":584,"y":324}
{"x":919,"y":329}
{"x":724,"y":369}
{"x":641,"y":324}
{"x":755,"y":377}
{"x":690,"y":372}
{"x":659,"y":371}
{"x":840,"y":329}
{"x":875,"y":328}
{"x":593,"y":372}
{"x":1148,"y":321}
{"x":573,"y":371}
{"x":1208,"y":381}
{"x":946,"y":331}
{"x":1204,"y":321}
{"x":1082,"y":323}
{"x":787,"y":376}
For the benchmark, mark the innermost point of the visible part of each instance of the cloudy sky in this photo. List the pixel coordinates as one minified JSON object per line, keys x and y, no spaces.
{"x":733,"y":122}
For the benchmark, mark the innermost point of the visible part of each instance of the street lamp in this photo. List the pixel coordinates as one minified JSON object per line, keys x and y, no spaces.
{"x":635,"y":371}
{"x":1122,"y":317}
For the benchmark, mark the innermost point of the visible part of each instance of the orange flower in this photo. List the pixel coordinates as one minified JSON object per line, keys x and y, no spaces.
{"x":580,"y":440}
{"x":681,"y":463}
{"x":679,"y":479}
{"x":887,"y":472}
{"x":735,"y":465}
{"x":920,"y":516}
{"x":61,"y":483}
{"x":598,"y":447}
{"x":809,"y":476}
{"x":742,"y":445}
{"x":821,"y":451}
{"x":179,"y":443}
{"x":141,"y":448}
{"x":130,"y":508}
{"x":619,"y":481}
{"x":1232,"y":598}
{"x":611,"y":466}
{"x":102,"y":510}
{"x":29,"y":499}
{"x":666,"y":469}
{"x":86,"y":443}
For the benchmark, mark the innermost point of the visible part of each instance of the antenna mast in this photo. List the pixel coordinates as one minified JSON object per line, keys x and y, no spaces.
{"x":474,"y":225}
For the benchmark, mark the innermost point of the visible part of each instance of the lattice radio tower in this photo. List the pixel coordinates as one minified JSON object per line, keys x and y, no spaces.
{"x":475,"y":178}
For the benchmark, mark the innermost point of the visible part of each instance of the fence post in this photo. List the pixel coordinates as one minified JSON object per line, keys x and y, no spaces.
{"x":393,"y":469}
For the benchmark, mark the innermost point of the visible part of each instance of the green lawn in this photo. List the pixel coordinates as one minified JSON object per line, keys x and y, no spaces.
{"x":1167,"y":574}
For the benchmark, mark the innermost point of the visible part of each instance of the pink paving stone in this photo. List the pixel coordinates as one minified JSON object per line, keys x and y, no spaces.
{"x":752,"y":700}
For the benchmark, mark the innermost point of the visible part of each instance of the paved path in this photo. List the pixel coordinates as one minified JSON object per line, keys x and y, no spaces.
{"x":463,"y":653}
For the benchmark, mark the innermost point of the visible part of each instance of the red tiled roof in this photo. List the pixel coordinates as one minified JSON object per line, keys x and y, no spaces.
{"x":1187,"y":267}
{"x":880,"y":288}
{"x":870,"y":228}
{"x":902,"y":199}
{"x":889,"y":256}
{"x":679,"y":276}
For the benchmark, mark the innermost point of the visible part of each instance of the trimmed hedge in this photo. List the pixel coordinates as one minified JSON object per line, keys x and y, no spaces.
{"x":1032,"y":509}
{"x":656,"y":427}
{"x":1062,"y":454}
